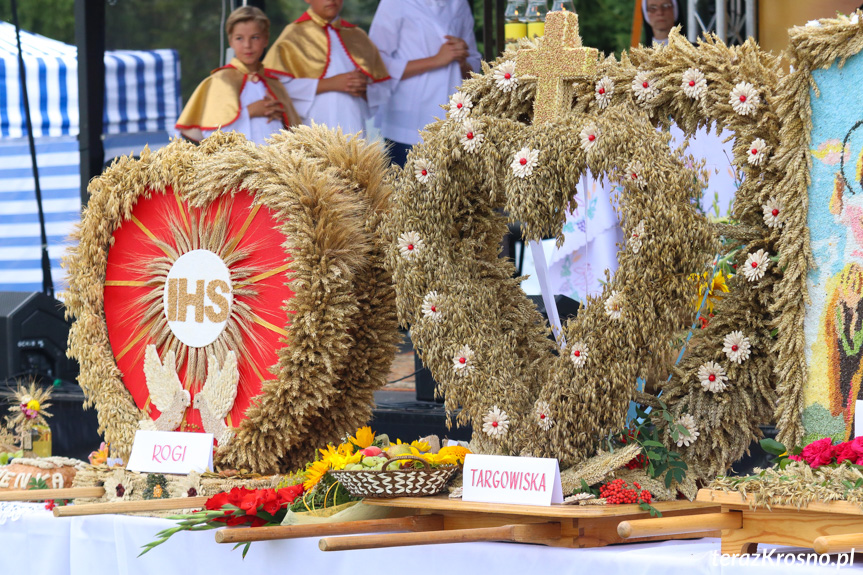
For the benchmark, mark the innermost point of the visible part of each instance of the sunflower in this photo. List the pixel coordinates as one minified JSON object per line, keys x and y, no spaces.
{"x":314,"y":472}
{"x":457,"y":450}
{"x":715,"y":288}
{"x":364,"y":437}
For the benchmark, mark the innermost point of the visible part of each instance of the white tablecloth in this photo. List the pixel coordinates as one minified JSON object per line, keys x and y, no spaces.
{"x":109,"y":545}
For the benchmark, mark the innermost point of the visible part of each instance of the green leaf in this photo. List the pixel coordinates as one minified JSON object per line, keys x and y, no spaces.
{"x":772,"y":446}
{"x":651,"y":443}
{"x":668,"y":480}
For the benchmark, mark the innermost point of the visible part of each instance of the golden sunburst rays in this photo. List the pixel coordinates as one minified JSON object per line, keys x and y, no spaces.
{"x":202,"y":229}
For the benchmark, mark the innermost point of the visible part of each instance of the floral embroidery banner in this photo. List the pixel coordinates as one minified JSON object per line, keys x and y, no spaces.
{"x":833,"y":328}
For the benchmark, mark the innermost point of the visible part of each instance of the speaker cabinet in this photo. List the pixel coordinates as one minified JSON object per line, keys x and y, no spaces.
{"x":33,"y":335}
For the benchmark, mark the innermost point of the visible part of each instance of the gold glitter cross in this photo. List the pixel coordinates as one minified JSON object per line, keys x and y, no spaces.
{"x":559,"y":57}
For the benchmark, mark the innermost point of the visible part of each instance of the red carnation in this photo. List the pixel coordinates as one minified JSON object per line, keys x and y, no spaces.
{"x":818,"y":453}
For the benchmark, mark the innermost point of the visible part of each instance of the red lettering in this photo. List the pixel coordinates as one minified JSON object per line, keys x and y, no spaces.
{"x":156,"y":454}
{"x":525,"y":482}
{"x":473,"y":477}
{"x":487,"y":478}
{"x":533,"y":486}
{"x":495,"y":479}
{"x":542,"y":482}
{"x":504,"y":480}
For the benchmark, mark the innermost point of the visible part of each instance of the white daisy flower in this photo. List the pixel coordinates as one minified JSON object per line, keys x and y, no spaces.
{"x":643,"y":87}
{"x":504,"y":76}
{"x":686,"y":439}
{"x":614,"y":305}
{"x":589,"y":135}
{"x":635,"y":175}
{"x":431,"y":306}
{"x":471,"y":137}
{"x":459,"y":106}
{"x":116,"y":487}
{"x":187,"y":486}
{"x":462,"y":361}
{"x":712,"y":377}
{"x":694,"y":83}
{"x":543,"y":418}
{"x":410,"y":244}
{"x":578,"y":354}
{"x":772,"y":213}
{"x":423,"y":170}
{"x":524,"y":162}
{"x":744,"y":98}
{"x":636,"y":237}
{"x":495,"y":423}
{"x":757,"y":152}
{"x":604,"y":90}
{"x":736,"y":347}
{"x":756,"y":265}
{"x":575,"y":499}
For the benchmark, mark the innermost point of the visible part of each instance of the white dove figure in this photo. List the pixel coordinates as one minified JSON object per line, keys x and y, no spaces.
{"x":216,"y":399}
{"x":166,"y":391}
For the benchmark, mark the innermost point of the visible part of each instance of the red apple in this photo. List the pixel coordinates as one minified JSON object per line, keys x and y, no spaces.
{"x":371,"y":451}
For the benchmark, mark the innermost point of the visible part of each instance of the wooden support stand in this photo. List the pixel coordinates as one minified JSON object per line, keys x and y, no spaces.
{"x":411,"y":523}
{"x":45,"y":494}
{"x":130,"y":506}
{"x":832,"y":527}
{"x":544,"y":533}
{"x":459,"y":521}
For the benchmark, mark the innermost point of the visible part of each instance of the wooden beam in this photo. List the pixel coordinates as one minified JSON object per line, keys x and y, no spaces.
{"x":827,"y":544}
{"x":45,"y":494}
{"x":681,"y":524}
{"x":519,"y":533}
{"x":637,"y":22}
{"x":130,"y":506}
{"x":411,"y":523}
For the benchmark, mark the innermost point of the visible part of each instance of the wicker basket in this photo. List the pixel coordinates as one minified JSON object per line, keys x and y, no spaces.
{"x":409,"y":482}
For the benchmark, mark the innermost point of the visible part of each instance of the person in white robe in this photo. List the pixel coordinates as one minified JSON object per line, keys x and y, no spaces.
{"x":332,"y":71}
{"x":428,"y":47}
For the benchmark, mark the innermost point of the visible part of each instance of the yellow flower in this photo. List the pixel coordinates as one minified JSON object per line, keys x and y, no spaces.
{"x":364,"y":438}
{"x":441,"y":458}
{"x":33,"y":405}
{"x":716,"y":288}
{"x":338,"y":461}
{"x":314,"y":473}
{"x":457,"y":450}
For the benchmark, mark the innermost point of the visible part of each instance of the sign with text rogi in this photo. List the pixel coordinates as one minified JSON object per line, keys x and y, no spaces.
{"x":517,"y":480}
{"x":171,"y":452}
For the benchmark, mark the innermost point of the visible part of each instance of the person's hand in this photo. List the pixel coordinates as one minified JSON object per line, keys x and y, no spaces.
{"x":269,"y":108}
{"x":454,"y":49}
{"x":353,"y":83}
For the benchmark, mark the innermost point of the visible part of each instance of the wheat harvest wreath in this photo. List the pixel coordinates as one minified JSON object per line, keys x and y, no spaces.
{"x":237,"y":290}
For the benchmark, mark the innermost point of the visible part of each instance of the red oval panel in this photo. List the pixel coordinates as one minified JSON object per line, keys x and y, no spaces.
{"x":251,"y":229}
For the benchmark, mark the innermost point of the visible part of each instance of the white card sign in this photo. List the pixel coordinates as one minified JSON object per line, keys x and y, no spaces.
{"x":858,"y":418}
{"x":518,"y":480}
{"x":171,"y":452}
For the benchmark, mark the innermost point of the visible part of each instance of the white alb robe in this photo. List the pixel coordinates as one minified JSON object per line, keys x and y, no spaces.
{"x":405,"y":30}
{"x":256,"y":130}
{"x":334,"y":109}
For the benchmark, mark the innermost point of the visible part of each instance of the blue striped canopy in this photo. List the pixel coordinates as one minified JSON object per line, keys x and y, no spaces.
{"x":142,"y":102}
{"x":142,"y":88}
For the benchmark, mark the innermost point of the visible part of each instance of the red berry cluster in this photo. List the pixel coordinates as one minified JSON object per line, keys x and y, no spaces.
{"x":619,"y":492}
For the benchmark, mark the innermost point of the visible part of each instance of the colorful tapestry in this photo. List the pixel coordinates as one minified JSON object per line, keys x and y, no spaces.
{"x":833,"y":329}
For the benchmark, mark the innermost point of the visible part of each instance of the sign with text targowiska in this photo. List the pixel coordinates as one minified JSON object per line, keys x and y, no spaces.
{"x":517,"y":480}
{"x":171,"y":452}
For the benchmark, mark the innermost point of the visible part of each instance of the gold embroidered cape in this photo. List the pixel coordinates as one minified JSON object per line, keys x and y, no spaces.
{"x":216,"y":101}
{"x":302,"y":50}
